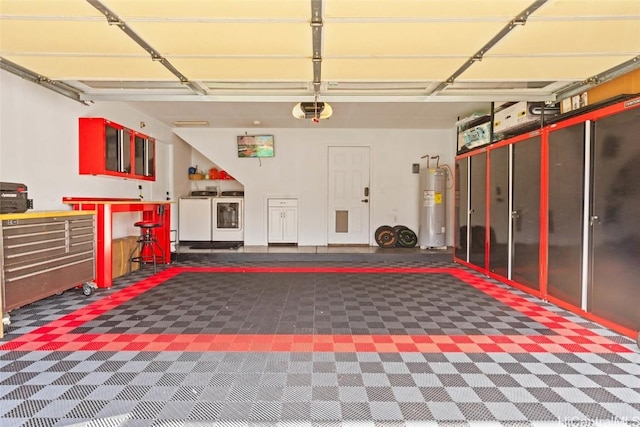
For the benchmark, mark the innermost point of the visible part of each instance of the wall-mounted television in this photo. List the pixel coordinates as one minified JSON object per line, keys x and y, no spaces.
{"x":255,"y":146}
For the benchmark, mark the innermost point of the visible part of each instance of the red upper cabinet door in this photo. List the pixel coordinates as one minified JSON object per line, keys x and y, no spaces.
{"x":151,"y":159}
{"x":107,"y":148}
{"x":144,"y":157}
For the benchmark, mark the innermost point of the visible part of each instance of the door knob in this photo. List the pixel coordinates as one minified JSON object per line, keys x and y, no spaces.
{"x":365,"y":200}
{"x":595,"y":219}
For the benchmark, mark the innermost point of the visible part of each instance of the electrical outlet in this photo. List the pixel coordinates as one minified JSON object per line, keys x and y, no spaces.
{"x":415,"y":168}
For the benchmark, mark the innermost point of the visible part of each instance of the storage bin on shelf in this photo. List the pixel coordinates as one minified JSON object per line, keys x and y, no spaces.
{"x":517,"y":114}
{"x":474,"y":131}
{"x":476,"y":136}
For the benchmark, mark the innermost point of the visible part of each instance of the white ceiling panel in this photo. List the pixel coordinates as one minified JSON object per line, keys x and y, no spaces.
{"x":48,"y":8}
{"x":540,"y":68}
{"x":393,"y":69}
{"x":408,"y":38}
{"x":432,"y":9}
{"x":578,"y":37}
{"x":202,"y":39}
{"x":94,"y":67}
{"x":60,"y":36}
{"x":244,"y":69}
{"x":205,"y":9}
{"x":575,"y":9}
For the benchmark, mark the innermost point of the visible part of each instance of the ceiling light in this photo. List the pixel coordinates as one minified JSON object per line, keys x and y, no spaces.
{"x":190,"y":123}
{"x":312,"y":110}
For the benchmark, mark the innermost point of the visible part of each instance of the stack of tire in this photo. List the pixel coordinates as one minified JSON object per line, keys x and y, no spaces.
{"x":394,"y":237}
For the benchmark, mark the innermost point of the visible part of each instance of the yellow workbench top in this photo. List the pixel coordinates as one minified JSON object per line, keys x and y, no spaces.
{"x":43,"y":214}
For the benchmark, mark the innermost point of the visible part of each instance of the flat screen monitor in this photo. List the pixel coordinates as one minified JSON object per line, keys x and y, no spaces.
{"x":255,"y":146}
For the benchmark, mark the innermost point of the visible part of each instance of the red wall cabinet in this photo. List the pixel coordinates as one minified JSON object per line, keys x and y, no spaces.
{"x":107,"y":148}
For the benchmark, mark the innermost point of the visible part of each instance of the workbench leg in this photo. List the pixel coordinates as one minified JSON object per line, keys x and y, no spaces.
{"x":103,"y":250}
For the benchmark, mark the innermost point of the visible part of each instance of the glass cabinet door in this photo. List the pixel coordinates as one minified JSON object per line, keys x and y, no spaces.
{"x":139,"y":154}
{"x":461,"y":208}
{"x":112,"y":148}
{"x":150,"y":162}
{"x":525,"y":215}
{"x":499,"y":211}
{"x":615,"y":219}
{"x":566,"y":202}
{"x":144,"y":155}
{"x":125,"y":149}
{"x":477,"y":210}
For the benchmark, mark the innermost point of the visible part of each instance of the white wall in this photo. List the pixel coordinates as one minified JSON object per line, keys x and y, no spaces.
{"x":299,"y":169}
{"x":182,"y":160}
{"x":39,"y":147}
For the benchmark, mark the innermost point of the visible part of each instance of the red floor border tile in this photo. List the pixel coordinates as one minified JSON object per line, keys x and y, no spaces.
{"x":569,"y":337}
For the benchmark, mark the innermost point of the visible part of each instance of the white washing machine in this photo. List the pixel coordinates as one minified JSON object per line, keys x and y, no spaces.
{"x":194,"y":218}
{"x":228,"y":219}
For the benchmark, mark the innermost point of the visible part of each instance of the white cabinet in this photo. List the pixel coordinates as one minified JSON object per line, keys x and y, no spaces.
{"x":283,"y":220}
{"x":194,"y":219}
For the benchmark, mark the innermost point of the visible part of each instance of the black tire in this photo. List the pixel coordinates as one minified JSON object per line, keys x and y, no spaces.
{"x":385,"y":236}
{"x":397,"y":229}
{"x":407,"y":238}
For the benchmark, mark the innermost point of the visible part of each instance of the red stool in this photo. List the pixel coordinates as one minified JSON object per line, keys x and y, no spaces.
{"x":147,"y":245}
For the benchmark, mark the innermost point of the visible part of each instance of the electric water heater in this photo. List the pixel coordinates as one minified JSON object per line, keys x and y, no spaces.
{"x":432,"y":232}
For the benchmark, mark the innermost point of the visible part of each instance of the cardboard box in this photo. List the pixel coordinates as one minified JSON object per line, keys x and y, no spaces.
{"x":513,"y":116}
{"x":575,"y":102}
{"x":627,"y":84}
{"x":120,"y":253}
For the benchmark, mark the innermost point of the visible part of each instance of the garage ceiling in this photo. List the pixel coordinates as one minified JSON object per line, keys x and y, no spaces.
{"x":380,"y":63}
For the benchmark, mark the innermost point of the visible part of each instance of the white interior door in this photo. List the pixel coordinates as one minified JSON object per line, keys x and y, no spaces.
{"x":348,"y":195}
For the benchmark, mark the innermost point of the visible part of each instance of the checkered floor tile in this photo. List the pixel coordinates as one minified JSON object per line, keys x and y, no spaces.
{"x":368,"y":344}
{"x":313,"y":303}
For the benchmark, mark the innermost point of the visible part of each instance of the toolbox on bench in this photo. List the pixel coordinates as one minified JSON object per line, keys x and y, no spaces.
{"x":14,"y":198}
